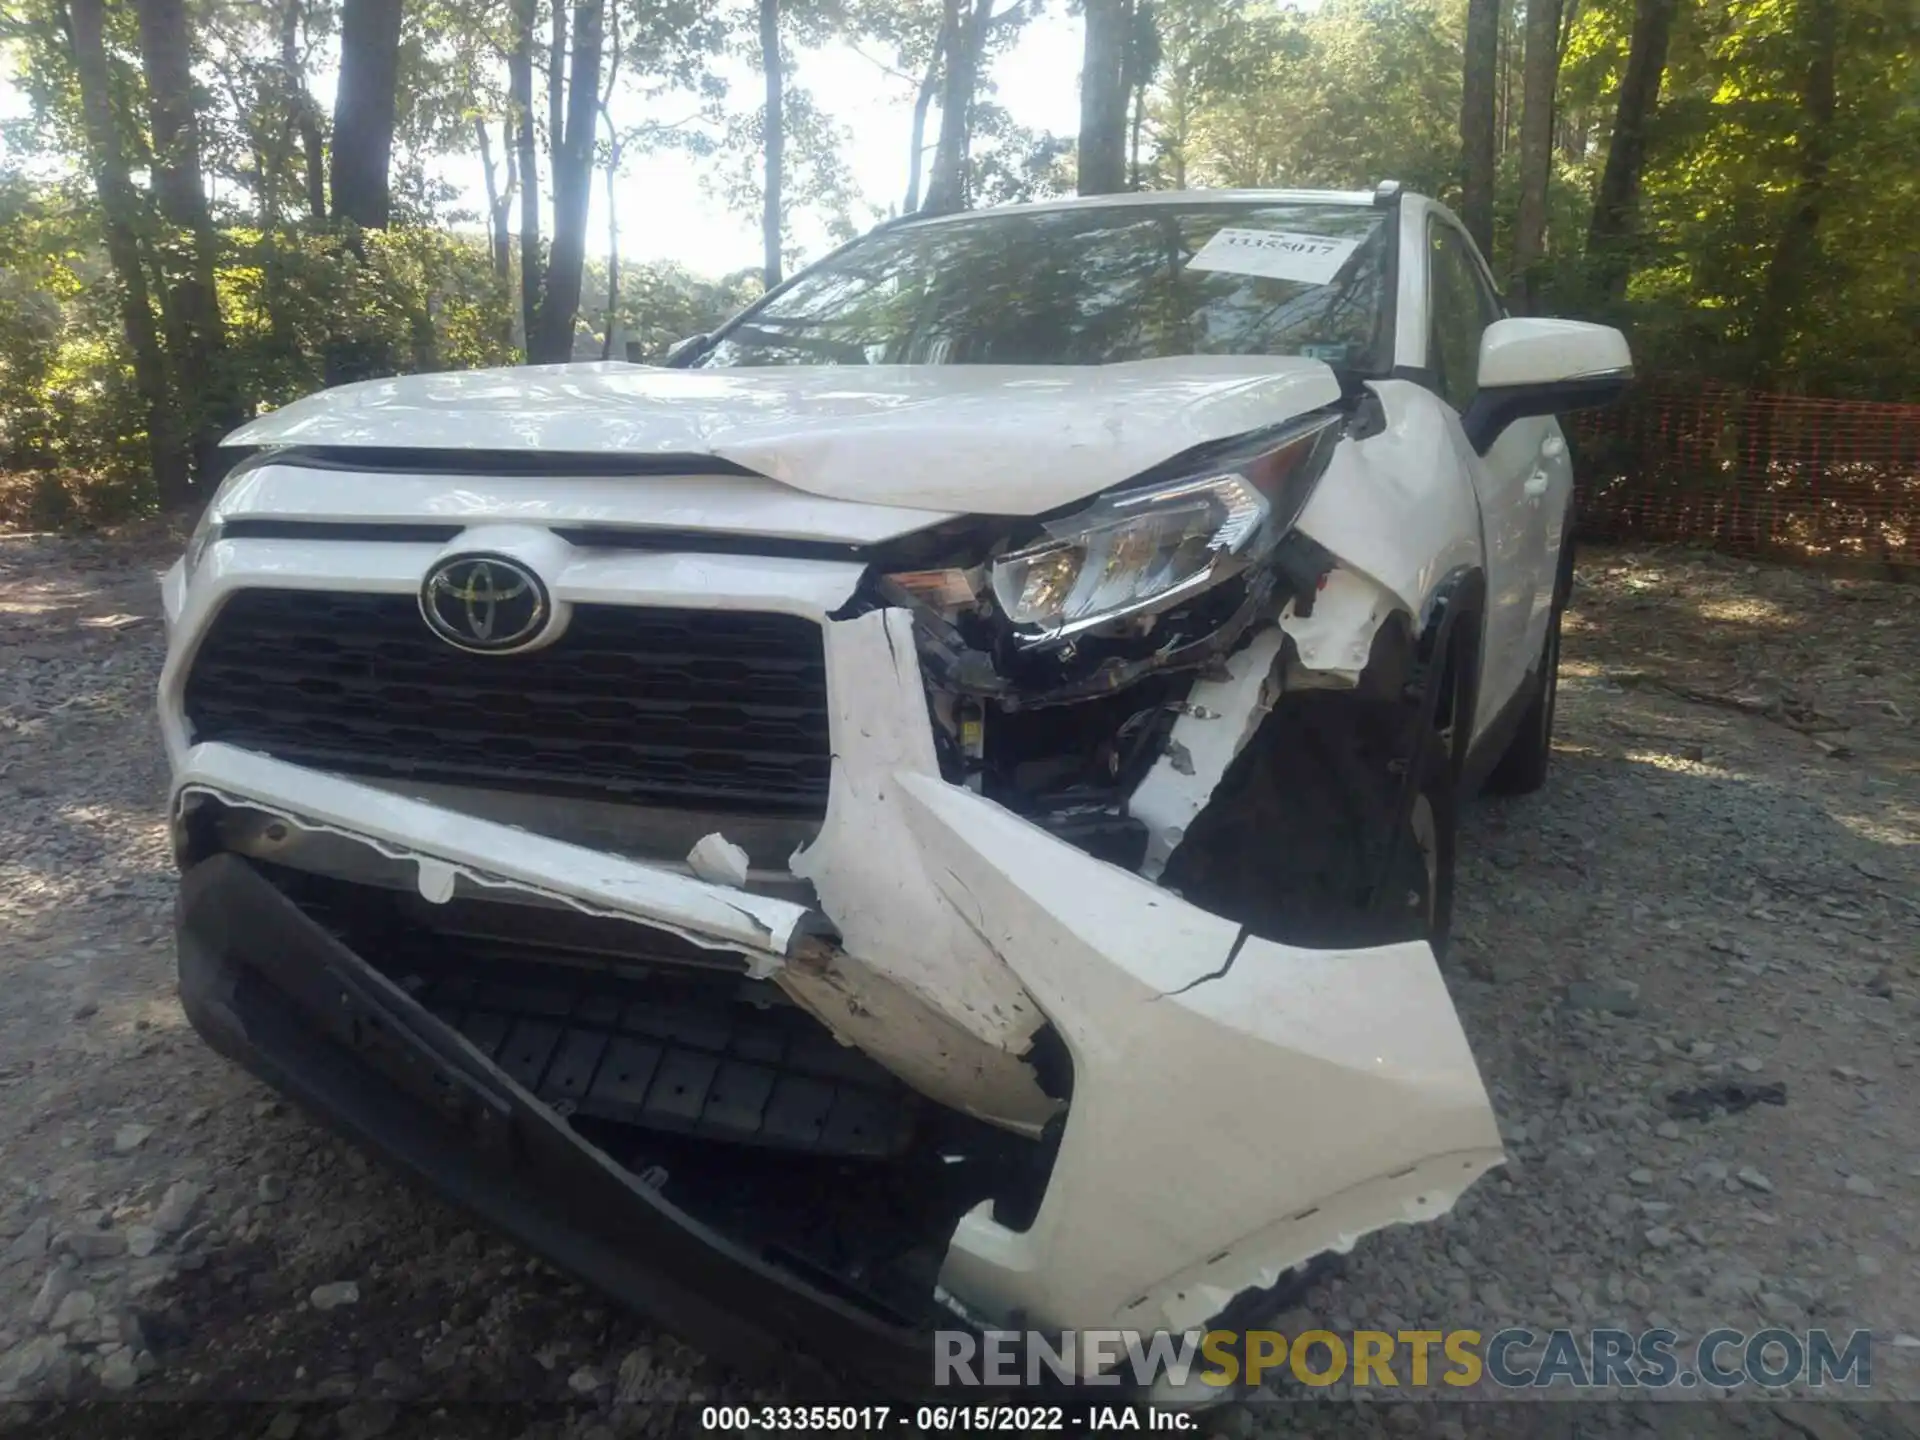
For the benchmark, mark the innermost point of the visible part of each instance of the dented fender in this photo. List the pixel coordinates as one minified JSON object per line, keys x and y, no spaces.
{"x":1395,"y":505}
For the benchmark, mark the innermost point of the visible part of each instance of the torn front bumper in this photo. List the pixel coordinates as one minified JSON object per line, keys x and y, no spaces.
{"x":1238,"y":1106}
{"x":268,"y":987}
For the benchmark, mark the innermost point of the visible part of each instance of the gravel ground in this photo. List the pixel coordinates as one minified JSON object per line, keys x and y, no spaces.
{"x":1718,"y":886}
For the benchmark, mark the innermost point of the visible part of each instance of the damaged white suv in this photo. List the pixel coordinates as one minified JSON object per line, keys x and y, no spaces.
{"x":933,"y":809}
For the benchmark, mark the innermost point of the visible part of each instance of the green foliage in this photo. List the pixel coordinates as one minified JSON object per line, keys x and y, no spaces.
{"x":422,"y":299}
{"x":660,"y":304}
{"x":1722,"y":181}
{"x":817,"y":177}
{"x":1770,"y":245}
{"x":1257,"y":92}
{"x":64,"y":381}
{"x":293,"y":301}
{"x":1012,"y":164}
{"x":1261,"y":93}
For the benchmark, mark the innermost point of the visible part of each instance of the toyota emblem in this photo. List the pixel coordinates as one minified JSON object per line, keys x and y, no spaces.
{"x":485,"y":603}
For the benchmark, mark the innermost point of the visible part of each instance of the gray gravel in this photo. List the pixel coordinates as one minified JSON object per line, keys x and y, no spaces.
{"x":1717,"y":887}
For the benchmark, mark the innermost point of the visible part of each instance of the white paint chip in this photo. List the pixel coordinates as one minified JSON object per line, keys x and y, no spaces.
{"x":719,"y":861}
{"x":1274,"y":254}
{"x":436,"y":879}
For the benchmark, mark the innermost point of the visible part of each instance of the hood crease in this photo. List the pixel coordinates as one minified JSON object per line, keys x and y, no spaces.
{"x":980,"y":439}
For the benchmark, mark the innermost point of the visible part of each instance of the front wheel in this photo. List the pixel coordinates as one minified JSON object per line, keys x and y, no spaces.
{"x":1523,"y":768}
{"x":1427,"y":891}
{"x":1309,"y":840}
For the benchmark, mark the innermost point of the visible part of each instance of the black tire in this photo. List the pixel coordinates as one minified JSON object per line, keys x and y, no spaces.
{"x":1522,"y":769}
{"x":1427,"y":886}
{"x":1294,"y":845}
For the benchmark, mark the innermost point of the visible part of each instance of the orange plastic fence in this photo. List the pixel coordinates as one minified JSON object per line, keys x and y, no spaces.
{"x":1752,"y":473}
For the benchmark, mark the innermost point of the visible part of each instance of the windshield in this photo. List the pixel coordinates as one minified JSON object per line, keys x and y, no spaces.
{"x":1090,"y":286}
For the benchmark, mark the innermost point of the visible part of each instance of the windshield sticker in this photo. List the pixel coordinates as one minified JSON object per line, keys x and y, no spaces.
{"x":1274,"y":254}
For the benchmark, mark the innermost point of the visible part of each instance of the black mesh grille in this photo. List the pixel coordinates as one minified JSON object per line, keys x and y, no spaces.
{"x":693,"y":708}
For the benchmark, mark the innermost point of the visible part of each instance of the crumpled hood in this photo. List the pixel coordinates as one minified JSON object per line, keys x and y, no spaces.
{"x":985,"y":439}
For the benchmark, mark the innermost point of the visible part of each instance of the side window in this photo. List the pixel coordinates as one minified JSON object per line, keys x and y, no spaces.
{"x":1461,"y":306}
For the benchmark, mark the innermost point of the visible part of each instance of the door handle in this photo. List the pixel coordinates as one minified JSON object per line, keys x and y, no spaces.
{"x":1536,"y":485}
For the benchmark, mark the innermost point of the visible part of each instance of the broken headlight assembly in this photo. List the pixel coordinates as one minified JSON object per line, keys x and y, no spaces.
{"x":1160,"y":540}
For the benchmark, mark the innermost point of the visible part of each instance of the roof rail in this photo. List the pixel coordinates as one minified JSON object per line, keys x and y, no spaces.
{"x":1386,"y":192}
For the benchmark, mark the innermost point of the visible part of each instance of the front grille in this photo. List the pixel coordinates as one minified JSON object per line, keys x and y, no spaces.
{"x":684,"y":708}
{"x":689,"y":1059}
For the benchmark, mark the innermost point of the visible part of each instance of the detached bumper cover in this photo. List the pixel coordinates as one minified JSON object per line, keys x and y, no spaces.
{"x":1239,"y":1106}
{"x":268,"y":988}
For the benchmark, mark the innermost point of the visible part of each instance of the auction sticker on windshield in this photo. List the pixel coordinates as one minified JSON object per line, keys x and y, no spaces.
{"x":1275,"y":254}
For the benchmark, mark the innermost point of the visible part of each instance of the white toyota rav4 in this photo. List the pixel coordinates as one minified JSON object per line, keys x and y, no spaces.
{"x":934,"y":808}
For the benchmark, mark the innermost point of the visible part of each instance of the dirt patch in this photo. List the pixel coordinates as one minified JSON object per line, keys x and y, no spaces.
{"x":1717,"y":887}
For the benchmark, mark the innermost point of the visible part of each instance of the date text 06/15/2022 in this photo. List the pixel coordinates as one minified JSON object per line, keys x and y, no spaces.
{"x":948,"y":1419}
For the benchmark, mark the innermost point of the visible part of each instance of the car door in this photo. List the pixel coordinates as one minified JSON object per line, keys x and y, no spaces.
{"x":1508,"y":479}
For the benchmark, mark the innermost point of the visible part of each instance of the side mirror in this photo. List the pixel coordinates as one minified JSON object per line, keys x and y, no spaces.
{"x":683,"y":345}
{"x":1544,"y":367}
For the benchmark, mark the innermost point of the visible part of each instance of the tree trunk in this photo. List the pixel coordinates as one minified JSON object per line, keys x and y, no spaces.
{"x":1133,"y":143}
{"x":187,"y":258}
{"x":551,"y":339}
{"x":1569,"y":12}
{"x":302,"y":117}
{"x":967,"y":28}
{"x":1103,"y":98}
{"x":499,"y":216}
{"x":1613,"y":206}
{"x":613,"y":251}
{"x":279,"y":107}
{"x":312,"y":142}
{"x":1798,"y":249}
{"x":556,"y":78}
{"x":120,"y":221}
{"x":615,"y":149}
{"x":1477,"y":103}
{"x":1503,"y":131}
{"x":520,"y":99}
{"x":363,"y":111}
{"x":499,"y":198}
{"x":278,"y":102}
{"x":929,"y":84}
{"x":1536,"y":146}
{"x":1176,"y":133}
{"x":773,"y":136}
{"x":1142,"y":63}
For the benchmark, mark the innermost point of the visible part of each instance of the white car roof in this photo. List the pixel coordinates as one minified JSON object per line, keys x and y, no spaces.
{"x":1160,"y":197}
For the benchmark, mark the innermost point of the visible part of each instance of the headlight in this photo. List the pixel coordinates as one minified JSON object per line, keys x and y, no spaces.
{"x":204,"y":534}
{"x":1145,"y":548}
{"x":208,"y":529}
